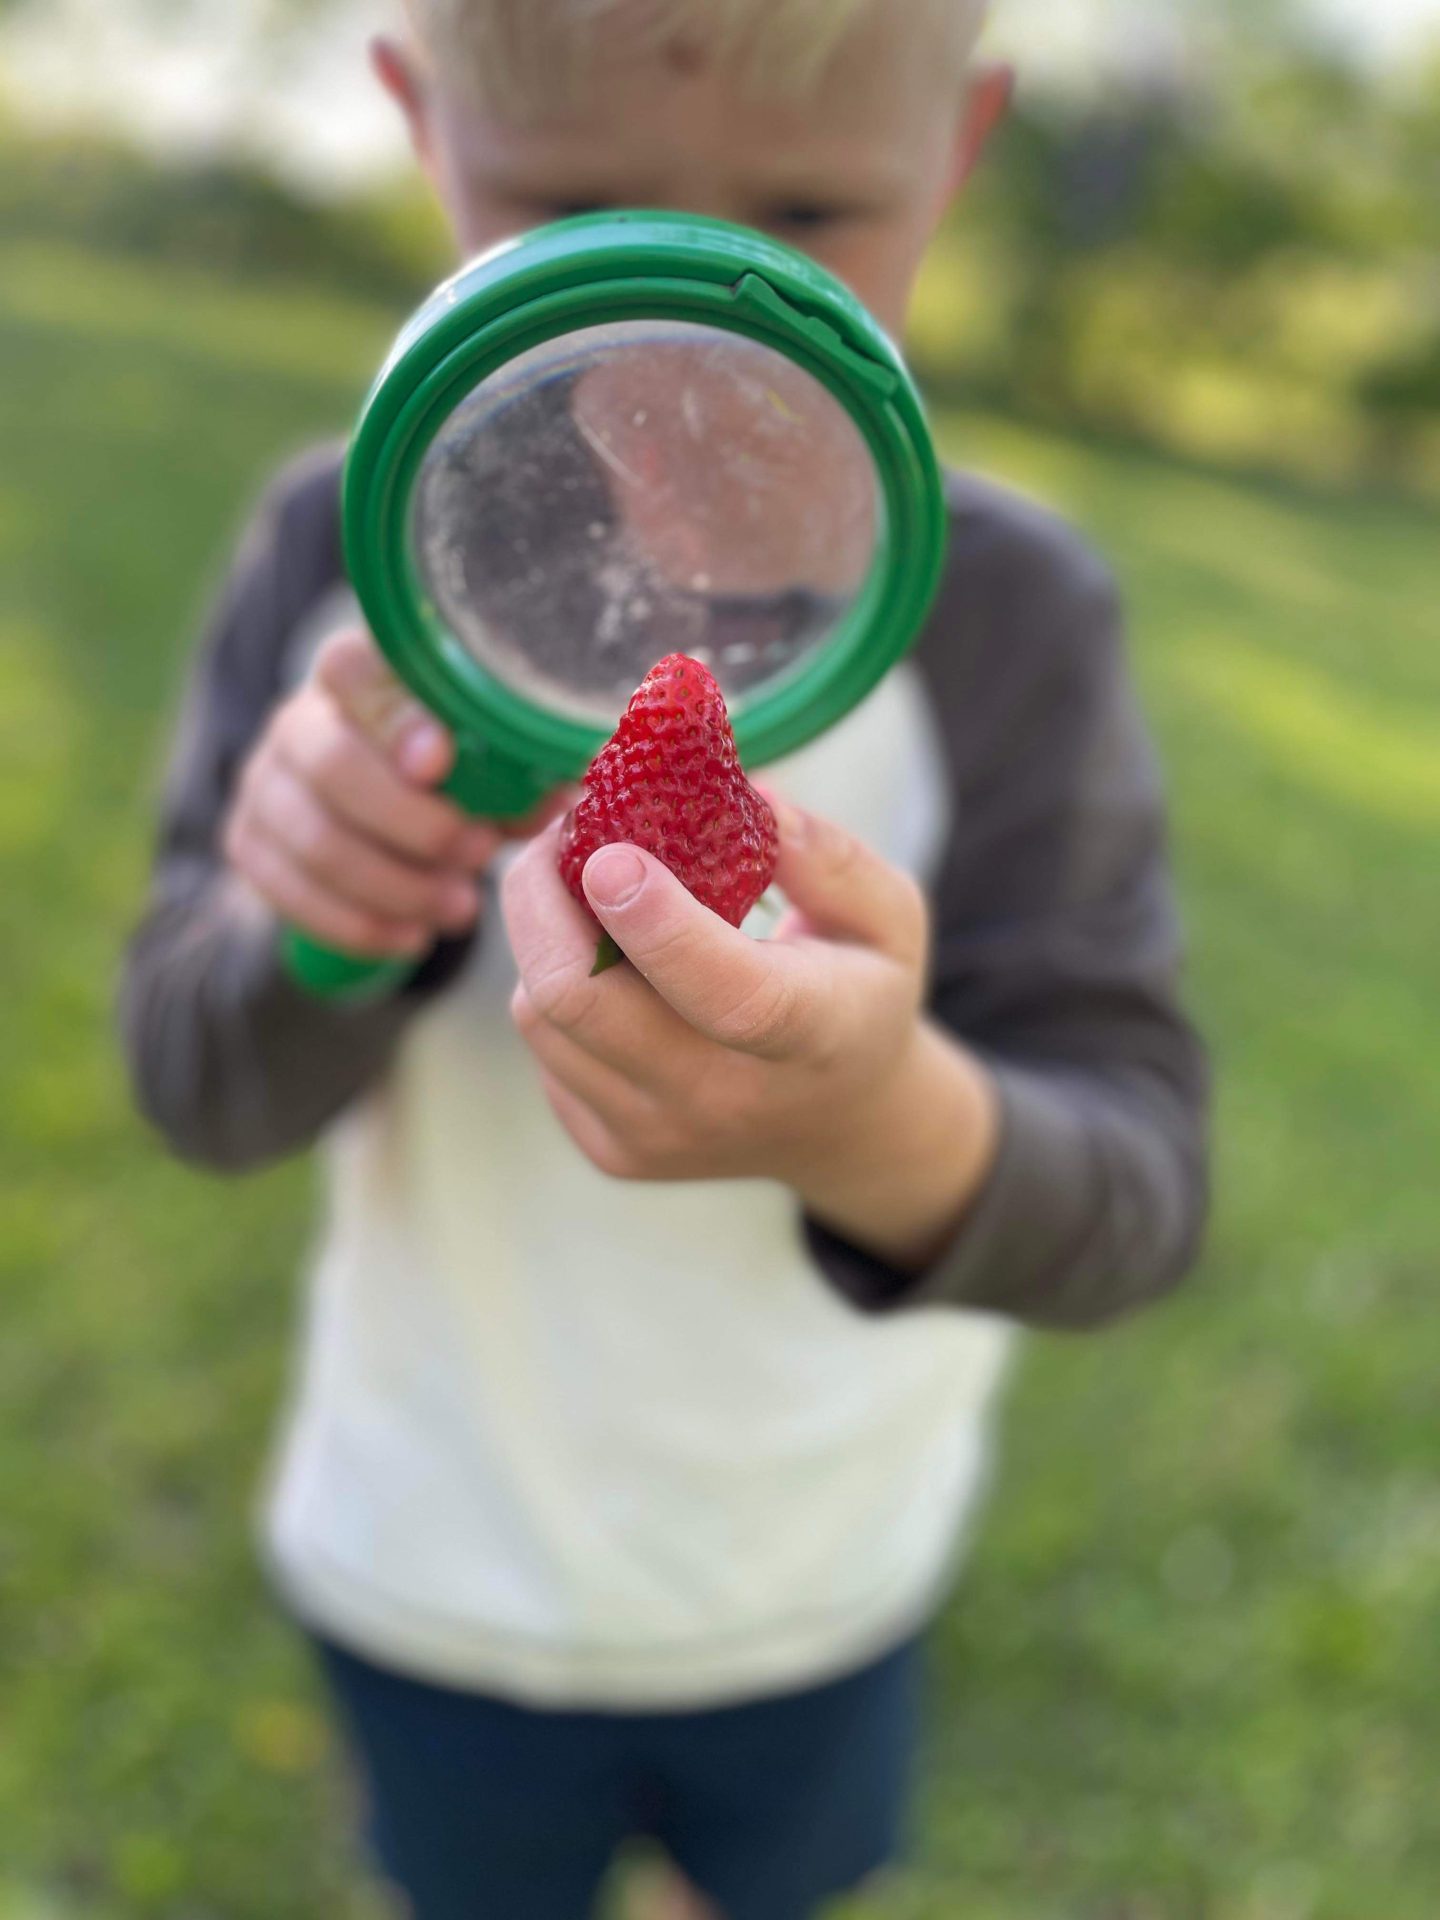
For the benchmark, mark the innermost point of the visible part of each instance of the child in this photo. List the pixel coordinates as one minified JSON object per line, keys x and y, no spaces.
{"x":657,"y":1319}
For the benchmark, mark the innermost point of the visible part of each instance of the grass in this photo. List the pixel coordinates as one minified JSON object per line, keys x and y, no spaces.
{"x":1192,"y":1672}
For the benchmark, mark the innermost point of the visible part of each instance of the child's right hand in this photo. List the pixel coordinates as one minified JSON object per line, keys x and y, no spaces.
{"x":334,"y":821}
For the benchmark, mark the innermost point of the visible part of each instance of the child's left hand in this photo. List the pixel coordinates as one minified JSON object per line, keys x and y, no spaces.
{"x":803,"y":1058}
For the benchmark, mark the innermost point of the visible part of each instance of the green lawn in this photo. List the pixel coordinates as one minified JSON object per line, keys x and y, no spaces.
{"x":1194,"y":1670}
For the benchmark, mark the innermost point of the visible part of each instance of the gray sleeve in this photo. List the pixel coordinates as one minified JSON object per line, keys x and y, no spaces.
{"x":1057,"y":961}
{"x":229,"y":1061}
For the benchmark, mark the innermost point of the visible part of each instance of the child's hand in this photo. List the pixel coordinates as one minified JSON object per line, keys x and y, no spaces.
{"x":334,"y":823}
{"x":802,"y":1059}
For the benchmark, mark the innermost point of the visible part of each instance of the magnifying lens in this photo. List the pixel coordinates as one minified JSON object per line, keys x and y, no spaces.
{"x":622,"y":436}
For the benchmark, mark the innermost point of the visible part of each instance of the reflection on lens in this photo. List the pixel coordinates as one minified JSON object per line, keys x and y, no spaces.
{"x":638,"y":489}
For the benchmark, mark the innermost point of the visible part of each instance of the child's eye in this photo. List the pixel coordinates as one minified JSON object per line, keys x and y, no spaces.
{"x":573,"y":209}
{"x":804,"y":217}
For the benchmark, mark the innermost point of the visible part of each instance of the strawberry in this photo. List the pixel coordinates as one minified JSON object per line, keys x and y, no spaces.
{"x":669,"y":780}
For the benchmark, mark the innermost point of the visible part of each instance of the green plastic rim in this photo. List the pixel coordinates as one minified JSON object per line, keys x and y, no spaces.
{"x":637,"y":266}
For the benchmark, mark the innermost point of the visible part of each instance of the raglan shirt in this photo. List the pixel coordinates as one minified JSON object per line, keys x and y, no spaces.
{"x":584,"y":1442}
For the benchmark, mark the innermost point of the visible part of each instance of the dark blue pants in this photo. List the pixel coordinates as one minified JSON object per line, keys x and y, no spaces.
{"x":484,"y":1810}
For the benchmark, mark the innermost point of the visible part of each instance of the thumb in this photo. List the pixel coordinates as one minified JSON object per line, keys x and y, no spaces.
{"x":844,"y":890}
{"x":758,"y":996}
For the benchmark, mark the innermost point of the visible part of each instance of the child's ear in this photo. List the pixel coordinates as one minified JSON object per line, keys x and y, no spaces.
{"x":398,"y":70}
{"x":988,"y":95}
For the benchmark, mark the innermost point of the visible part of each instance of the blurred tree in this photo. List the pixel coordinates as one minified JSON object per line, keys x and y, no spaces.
{"x":1234,"y":249}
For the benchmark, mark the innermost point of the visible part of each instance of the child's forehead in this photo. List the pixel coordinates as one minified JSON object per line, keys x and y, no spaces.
{"x":684,"y":99}
{"x":667,"y":135}
{"x":887,"y":60}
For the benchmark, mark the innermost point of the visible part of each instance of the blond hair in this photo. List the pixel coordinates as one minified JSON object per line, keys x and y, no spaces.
{"x":532,"y":52}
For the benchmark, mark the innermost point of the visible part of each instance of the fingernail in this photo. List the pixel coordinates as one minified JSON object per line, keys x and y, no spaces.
{"x":421,"y":743}
{"x":613,"y":876}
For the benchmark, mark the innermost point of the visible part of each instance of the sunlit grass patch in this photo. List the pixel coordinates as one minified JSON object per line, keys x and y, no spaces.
{"x":1338,"y":739}
{"x":197,"y":314}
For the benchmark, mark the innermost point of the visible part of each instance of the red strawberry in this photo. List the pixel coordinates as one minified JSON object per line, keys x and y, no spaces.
{"x":669,"y":780}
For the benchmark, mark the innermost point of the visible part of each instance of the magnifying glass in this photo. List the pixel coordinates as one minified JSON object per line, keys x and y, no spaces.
{"x":622,"y":436}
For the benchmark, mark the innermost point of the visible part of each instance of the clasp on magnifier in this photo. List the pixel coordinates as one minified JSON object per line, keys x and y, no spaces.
{"x":753,"y":292}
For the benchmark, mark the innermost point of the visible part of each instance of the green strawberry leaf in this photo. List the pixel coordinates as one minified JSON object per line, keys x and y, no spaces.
{"x":607,"y":955}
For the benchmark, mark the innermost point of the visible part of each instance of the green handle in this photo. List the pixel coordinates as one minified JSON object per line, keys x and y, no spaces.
{"x":488,"y":784}
{"x":328,"y":975}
